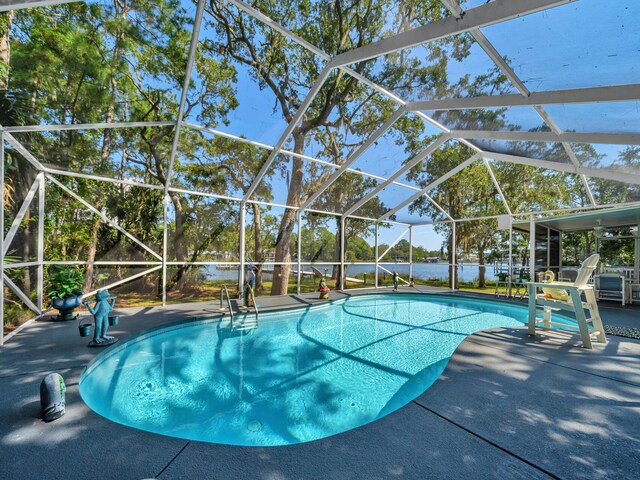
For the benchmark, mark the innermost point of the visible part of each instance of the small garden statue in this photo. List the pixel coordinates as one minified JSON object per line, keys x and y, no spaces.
{"x":395,"y":281}
{"x":248,"y":296}
{"x":52,"y":401}
{"x":100,"y":311}
{"x":324,"y":290}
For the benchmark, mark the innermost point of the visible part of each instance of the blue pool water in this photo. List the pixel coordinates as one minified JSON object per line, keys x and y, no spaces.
{"x":303,"y":374}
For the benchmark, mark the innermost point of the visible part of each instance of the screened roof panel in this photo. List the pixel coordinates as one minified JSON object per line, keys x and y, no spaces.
{"x":413,"y":176}
{"x":345,"y":191}
{"x":454,"y":67}
{"x":338,"y":122}
{"x":588,"y":43}
{"x":215,"y":164}
{"x":571,"y":46}
{"x":553,"y":152}
{"x":407,"y":215}
{"x":508,"y":118}
{"x":401,"y":142}
{"x":609,"y":191}
{"x":608,"y":117}
{"x":534,"y":189}
{"x":621,"y":158}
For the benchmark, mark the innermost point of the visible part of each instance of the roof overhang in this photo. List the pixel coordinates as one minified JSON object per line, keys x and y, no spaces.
{"x":608,"y":218}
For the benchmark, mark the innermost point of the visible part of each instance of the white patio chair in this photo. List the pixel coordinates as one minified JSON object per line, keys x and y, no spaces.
{"x":567,"y":296}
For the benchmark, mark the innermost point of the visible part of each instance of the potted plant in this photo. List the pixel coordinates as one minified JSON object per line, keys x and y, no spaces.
{"x":65,"y":289}
{"x":502,"y":276}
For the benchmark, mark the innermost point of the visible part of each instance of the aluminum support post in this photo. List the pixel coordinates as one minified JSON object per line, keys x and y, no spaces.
{"x":510,"y":261}
{"x":454,"y":257}
{"x":410,"y":253}
{"x":532,"y":249}
{"x":342,"y":252}
{"x":2,"y":235}
{"x":242,"y":250}
{"x":376,"y":253}
{"x":299,"y":249}
{"x":41,"y":214}
{"x":165,"y":206}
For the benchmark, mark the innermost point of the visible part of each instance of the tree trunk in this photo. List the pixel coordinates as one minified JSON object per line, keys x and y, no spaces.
{"x":281,"y":273}
{"x":5,"y":50}
{"x":258,"y":252}
{"x":481,"y":275}
{"x":91,"y":257}
{"x":179,"y":247}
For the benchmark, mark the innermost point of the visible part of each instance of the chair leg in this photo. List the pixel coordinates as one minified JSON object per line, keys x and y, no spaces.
{"x":547,"y":318}
{"x":595,"y":316}
{"x":580,"y":318}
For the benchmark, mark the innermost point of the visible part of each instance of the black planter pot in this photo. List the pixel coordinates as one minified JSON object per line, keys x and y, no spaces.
{"x":66,"y":306}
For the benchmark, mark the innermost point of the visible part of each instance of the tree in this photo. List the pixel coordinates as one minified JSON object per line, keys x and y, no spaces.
{"x":288,"y":71}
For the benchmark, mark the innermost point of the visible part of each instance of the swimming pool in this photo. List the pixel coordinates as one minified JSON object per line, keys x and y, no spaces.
{"x":304,"y":374}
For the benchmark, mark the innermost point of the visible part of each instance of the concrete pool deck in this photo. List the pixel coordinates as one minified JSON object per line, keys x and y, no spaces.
{"x":507,"y":406}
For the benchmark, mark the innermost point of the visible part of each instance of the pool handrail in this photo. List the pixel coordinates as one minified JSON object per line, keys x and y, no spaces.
{"x":255,"y":305}
{"x":226,"y":292}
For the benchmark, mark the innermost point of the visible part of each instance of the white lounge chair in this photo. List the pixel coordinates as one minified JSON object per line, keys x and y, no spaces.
{"x":567,"y":296}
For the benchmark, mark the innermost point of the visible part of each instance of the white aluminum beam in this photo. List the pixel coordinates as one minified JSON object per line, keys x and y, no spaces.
{"x":394,"y":243}
{"x":431,"y":186}
{"x":102,"y":216}
{"x":406,"y":167}
{"x":21,"y":213}
{"x":21,"y":295}
{"x":357,"y":154}
{"x":613,"y":93}
{"x":617,"y":176}
{"x":485,"y":15}
{"x":195,"y":37}
{"x":10,"y":139}
{"x":290,"y":127}
{"x":454,"y":257}
{"x":569,"y":137}
{"x":497,"y":185}
{"x":442,"y":210}
{"x":123,"y":281}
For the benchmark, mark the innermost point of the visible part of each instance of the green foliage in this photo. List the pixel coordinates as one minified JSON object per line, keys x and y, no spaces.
{"x":65,"y":281}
